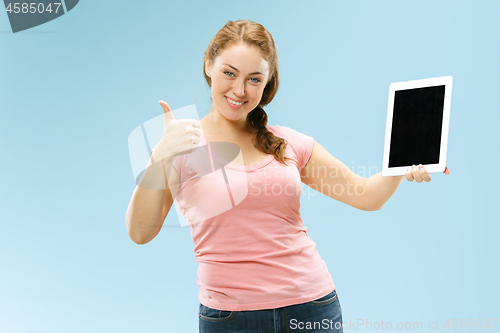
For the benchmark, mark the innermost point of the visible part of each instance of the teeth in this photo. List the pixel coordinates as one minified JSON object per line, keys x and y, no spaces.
{"x":233,"y":102}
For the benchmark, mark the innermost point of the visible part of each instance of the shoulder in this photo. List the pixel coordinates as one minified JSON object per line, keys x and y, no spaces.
{"x":289,"y":134}
{"x":299,"y":146}
{"x":280,"y":130}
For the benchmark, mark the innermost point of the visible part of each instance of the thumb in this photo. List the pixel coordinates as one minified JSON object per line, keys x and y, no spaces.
{"x":166,"y":110}
{"x":446,"y":171}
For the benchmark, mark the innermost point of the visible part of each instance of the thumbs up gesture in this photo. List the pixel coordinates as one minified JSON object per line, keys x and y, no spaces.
{"x":179,"y":137}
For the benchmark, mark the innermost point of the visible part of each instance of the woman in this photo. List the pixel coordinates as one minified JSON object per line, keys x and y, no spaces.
{"x":258,"y":269}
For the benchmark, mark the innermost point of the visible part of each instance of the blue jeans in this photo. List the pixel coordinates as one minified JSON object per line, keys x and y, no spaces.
{"x":321,"y":315}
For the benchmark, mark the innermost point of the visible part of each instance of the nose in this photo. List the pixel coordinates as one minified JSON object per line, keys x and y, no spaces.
{"x":239,"y":87}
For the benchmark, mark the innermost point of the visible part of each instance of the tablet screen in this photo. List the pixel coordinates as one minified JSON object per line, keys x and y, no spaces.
{"x":416,"y":126}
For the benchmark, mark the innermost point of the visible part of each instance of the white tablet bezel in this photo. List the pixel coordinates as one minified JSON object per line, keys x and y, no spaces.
{"x":396,"y":86}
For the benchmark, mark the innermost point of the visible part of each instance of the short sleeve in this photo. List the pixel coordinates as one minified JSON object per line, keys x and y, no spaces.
{"x":299,"y":144}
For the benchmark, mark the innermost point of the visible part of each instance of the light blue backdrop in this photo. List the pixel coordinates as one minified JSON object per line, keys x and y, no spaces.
{"x":74,"y":88}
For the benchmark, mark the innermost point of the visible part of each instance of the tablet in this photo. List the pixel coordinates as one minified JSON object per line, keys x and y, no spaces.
{"x":418,"y":117}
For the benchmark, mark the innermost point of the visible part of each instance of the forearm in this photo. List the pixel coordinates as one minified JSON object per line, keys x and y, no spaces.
{"x":379,"y":189}
{"x":144,"y":213}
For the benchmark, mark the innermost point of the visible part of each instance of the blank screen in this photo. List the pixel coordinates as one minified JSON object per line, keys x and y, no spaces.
{"x":416,"y":126}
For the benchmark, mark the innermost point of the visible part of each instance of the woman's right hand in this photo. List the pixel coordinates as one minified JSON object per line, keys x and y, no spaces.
{"x":179,"y":137}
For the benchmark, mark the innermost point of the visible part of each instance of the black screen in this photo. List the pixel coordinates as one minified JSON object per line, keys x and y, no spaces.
{"x":416,"y":126}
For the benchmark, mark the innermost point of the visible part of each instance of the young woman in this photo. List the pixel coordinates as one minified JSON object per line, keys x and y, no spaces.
{"x":258,"y":269}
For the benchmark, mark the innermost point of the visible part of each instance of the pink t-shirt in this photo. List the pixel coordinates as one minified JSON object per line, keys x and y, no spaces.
{"x":251,"y":245}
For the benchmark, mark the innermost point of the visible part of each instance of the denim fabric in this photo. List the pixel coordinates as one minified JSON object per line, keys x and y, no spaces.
{"x":321,"y":315}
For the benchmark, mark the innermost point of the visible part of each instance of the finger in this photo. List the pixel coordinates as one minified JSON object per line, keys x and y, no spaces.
{"x":408,"y":175}
{"x":416,"y":173}
{"x":424,"y":173}
{"x":446,"y":170}
{"x":195,"y":123}
{"x":197,"y":132}
{"x":166,"y":110}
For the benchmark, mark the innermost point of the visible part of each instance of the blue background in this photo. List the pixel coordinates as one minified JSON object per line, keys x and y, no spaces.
{"x":74,"y":88}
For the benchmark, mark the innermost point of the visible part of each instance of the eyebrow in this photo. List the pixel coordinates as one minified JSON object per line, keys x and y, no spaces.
{"x":238,"y":70}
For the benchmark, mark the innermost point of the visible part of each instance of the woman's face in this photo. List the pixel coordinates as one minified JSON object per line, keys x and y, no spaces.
{"x":239,"y":74}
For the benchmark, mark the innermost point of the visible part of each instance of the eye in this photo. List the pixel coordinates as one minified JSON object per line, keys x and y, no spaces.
{"x":225,"y":72}
{"x":257,"y":80}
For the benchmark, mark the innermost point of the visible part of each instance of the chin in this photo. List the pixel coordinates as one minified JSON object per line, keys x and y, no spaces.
{"x":233,"y":116}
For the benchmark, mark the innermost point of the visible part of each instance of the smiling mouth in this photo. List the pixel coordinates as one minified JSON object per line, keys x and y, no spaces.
{"x":234,"y":102}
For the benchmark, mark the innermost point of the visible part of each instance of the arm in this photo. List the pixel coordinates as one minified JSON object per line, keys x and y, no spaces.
{"x":150,"y":204}
{"x":328,"y":175}
{"x":158,"y":186}
{"x":380,"y":189}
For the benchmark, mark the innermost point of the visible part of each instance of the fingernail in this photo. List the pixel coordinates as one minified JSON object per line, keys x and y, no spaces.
{"x":420,"y":166}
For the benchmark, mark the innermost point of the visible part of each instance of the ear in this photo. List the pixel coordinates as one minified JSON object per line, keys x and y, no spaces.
{"x":208,"y":67}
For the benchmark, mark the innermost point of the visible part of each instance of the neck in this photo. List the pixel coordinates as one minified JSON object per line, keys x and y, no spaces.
{"x":217,"y":123}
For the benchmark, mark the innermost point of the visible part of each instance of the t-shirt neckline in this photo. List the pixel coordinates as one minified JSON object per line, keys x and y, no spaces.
{"x":247,"y":168}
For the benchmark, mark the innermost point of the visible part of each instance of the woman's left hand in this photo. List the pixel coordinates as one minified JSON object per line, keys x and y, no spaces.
{"x":419,"y":173}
